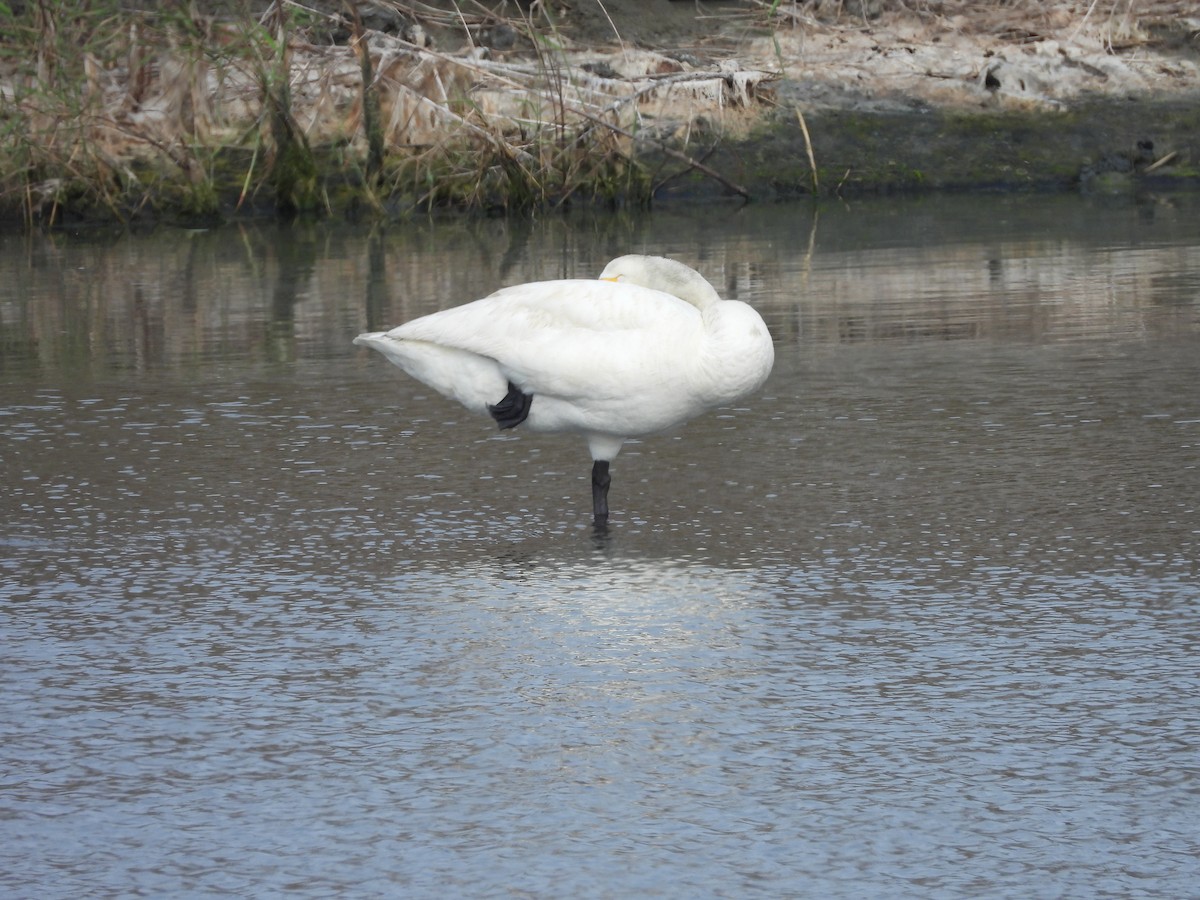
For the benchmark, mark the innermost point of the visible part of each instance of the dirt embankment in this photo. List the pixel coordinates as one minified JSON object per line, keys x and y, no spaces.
{"x":515,"y":104}
{"x":877,"y":96}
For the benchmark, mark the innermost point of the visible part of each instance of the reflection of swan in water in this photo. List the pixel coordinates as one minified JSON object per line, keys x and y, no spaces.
{"x":648,"y":346}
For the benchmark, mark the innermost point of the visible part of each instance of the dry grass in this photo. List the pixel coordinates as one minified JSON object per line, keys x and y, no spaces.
{"x":1117,"y":21}
{"x":125,"y":112}
{"x":104,"y":108}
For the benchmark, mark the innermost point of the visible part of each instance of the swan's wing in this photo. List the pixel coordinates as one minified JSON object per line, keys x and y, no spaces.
{"x":569,"y":338}
{"x":474,"y":381}
{"x":598,"y":306}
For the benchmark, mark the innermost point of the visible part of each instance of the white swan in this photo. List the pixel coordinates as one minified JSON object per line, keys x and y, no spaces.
{"x":648,"y":346}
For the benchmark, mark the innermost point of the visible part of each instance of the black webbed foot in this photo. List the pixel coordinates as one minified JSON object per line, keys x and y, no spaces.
{"x":513,"y":409}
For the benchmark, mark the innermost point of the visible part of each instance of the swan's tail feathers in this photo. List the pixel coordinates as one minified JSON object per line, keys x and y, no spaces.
{"x":474,"y":381}
{"x":369,"y":338}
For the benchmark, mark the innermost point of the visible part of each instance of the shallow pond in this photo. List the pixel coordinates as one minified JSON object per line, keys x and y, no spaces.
{"x":919,"y":619}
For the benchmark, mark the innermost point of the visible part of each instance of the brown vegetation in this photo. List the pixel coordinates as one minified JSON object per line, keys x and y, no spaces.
{"x":201,"y":111}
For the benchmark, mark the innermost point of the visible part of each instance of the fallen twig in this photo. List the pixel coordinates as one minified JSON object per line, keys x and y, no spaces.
{"x":808,"y":147}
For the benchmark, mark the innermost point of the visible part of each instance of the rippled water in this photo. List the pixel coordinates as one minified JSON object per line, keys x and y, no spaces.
{"x":921,"y":619}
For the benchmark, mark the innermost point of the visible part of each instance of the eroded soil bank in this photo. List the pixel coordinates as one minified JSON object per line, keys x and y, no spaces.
{"x":1098,"y":146}
{"x":239,"y":109}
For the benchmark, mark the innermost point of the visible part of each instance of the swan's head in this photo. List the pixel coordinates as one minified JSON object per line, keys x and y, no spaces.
{"x":662,"y":274}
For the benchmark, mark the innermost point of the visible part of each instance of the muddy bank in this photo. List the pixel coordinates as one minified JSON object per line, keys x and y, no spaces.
{"x":1098,"y":146}
{"x":145,"y":115}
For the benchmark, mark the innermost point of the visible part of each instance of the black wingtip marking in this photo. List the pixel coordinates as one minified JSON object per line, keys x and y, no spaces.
{"x":513,"y":409}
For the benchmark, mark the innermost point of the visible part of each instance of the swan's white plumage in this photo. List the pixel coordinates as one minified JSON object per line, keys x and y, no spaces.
{"x":647,"y":348}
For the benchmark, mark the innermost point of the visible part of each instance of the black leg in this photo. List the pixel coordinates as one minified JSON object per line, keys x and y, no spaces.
{"x":600,"y":482}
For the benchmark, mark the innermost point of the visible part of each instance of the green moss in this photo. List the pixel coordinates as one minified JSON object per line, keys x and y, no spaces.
{"x":874,"y":152}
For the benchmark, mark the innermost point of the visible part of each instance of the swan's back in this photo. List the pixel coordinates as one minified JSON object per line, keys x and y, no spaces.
{"x":569,"y":310}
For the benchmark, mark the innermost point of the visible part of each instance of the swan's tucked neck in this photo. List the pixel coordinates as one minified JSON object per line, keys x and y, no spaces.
{"x":699,"y":293}
{"x":666,"y":275}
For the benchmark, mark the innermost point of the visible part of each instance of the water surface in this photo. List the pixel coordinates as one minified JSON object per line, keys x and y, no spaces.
{"x":919,"y":619}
